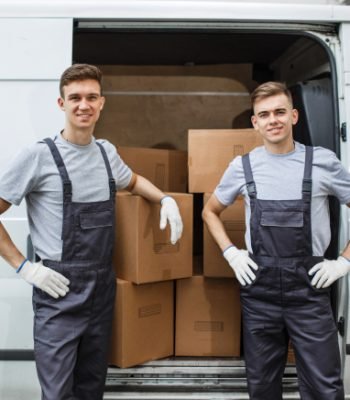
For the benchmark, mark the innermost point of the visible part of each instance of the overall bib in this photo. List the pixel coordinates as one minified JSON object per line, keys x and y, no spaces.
{"x":71,"y":334}
{"x":281,"y":303}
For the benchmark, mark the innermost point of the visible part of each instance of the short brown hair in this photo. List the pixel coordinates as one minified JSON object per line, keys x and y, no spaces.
{"x":269,"y":89}
{"x":80,"y":72}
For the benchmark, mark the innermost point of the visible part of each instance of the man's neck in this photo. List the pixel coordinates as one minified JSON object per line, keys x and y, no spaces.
{"x":79,"y":137}
{"x":280,"y":148}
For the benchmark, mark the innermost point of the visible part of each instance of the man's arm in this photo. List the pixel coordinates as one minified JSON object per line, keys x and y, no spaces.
{"x":36,"y":274}
{"x":238,"y":259}
{"x":346,"y":252}
{"x":211,"y":216}
{"x":7,"y":248}
{"x":143,"y":187}
{"x":328,"y":271}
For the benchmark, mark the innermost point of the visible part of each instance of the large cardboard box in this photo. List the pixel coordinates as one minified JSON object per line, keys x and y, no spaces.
{"x":211,"y":150}
{"x":143,"y":252}
{"x":143,"y":324}
{"x":208,"y":317}
{"x":167,"y":169}
{"x":214,"y":264}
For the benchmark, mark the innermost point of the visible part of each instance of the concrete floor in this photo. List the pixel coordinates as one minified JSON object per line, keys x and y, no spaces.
{"x":18,"y":381}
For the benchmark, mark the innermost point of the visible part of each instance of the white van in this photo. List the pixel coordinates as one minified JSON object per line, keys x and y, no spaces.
{"x":171,"y":66}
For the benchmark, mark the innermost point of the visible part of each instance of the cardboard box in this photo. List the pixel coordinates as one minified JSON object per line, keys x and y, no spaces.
{"x":210,"y":152}
{"x":233,"y":218}
{"x":291,"y":354}
{"x":143,"y":252}
{"x":143,"y":324}
{"x":208,"y":317}
{"x":167,"y":169}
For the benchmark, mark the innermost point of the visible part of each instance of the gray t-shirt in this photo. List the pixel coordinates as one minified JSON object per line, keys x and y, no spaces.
{"x":279,"y":177}
{"x":33,"y":175}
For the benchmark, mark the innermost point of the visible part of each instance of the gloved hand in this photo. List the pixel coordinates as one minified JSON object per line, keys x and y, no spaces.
{"x":46,"y":279}
{"x":241,"y":263}
{"x":170,"y":212}
{"x":328,"y":271}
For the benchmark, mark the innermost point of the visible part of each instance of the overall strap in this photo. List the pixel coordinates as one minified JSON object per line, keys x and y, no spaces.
{"x":111,"y":180}
{"x":251,"y":188}
{"x":307,"y":180}
{"x":67,"y":184}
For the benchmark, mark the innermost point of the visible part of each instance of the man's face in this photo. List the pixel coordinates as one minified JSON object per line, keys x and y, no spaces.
{"x":274,"y":118}
{"x":82,"y":103}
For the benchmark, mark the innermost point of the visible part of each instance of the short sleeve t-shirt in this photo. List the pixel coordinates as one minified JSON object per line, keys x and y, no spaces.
{"x":279,"y":177}
{"x":33,"y":175}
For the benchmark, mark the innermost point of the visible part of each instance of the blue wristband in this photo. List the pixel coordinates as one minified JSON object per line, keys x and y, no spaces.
{"x":228,"y":247}
{"x":345,"y":258}
{"x":21,"y":266}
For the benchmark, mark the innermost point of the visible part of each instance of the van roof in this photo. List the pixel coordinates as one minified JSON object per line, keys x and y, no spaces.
{"x":221,"y":10}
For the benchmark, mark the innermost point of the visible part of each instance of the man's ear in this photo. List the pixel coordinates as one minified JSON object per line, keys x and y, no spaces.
{"x":60,"y":103}
{"x":295,"y":116}
{"x":103,"y":101}
{"x":254,"y":123}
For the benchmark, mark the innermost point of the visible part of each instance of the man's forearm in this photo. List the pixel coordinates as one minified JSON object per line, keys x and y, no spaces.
{"x":217,"y":229}
{"x":8,"y":250}
{"x":346,"y":252}
{"x":143,"y":187}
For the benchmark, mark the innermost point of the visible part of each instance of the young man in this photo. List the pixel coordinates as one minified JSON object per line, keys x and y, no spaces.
{"x":69,"y":183}
{"x":285,"y":281}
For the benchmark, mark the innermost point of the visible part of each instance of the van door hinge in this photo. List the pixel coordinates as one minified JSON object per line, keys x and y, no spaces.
{"x":341,"y":326}
{"x":343,"y":132}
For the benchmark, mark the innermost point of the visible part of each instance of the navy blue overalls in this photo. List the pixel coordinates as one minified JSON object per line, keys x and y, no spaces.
{"x":281,"y":303}
{"x":72,"y":334}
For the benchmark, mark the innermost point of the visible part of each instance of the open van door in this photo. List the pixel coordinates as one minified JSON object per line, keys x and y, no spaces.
{"x":344,"y":112}
{"x":29,"y":75}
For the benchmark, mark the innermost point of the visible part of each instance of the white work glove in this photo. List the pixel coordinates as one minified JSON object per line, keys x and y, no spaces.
{"x":241,"y":264}
{"x":328,"y":271}
{"x":44,"y":278}
{"x":169,"y":211}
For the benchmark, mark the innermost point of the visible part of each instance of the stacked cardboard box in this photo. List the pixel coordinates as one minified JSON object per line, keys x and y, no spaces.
{"x":208,"y":319}
{"x":143,"y":325}
{"x":167,"y":169}
{"x":211,"y":150}
{"x":146,"y":263}
{"x":143,"y":252}
{"x":213,"y":325}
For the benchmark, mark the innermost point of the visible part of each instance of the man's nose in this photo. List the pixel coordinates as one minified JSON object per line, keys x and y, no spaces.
{"x":83,"y":104}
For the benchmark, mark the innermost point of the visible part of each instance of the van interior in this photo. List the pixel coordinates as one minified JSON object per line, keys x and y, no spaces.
{"x":162,"y":79}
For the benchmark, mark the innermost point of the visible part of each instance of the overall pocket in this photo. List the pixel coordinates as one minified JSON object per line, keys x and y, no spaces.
{"x":95,"y":235}
{"x":282,"y":233}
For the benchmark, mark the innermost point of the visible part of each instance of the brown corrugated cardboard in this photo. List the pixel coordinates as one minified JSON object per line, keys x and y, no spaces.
{"x":167,"y":169}
{"x":143,"y":324}
{"x":208,"y":317}
{"x":211,"y":150}
{"x":214,"y":264}
{"x":291,"y":354}
{"x":143,"y":252}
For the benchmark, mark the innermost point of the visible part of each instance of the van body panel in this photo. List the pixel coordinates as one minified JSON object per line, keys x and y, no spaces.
{"x":176,"y":9}
{"x":29,"y":76}
{"x":34,"y":62}
{"x":31,"y":55}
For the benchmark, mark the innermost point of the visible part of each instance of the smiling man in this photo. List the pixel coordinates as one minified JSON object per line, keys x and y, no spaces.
{"x":69,"y":183}
{"x":285,"y":281}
